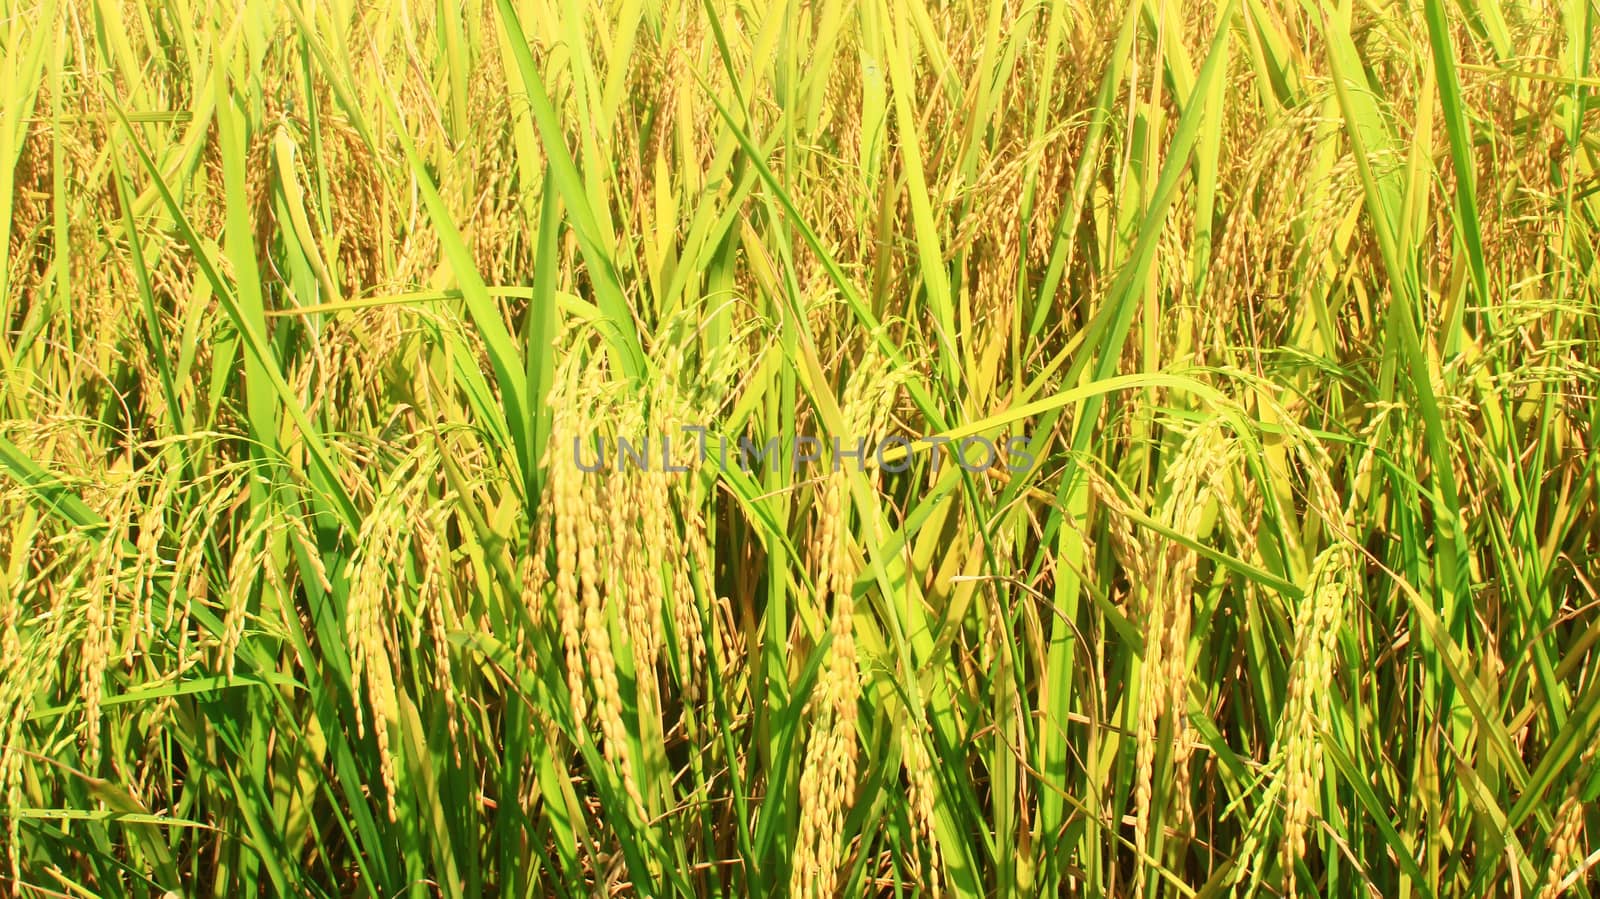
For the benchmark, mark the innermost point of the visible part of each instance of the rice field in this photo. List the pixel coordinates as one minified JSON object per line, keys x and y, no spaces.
{"x":814,"y":448}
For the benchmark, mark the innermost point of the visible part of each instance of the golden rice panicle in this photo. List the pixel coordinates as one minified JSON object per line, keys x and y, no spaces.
{"x":827,"y":784}
{"x":633,"y":581}
{"x":11,"y":793}
{"x":622,"y":492}
{"x":685,"y":608}
{"x":671,"y":503}
{"x":1364,"y":477}
{"x":1152,"y":696}
{"x":249,"y":562}
{"x":41,"y":651}
{"x":100,"y":603}
{"x":828,"y":781}
{"x":533,"y":568}
{"x":367,"y":631}
{"x":1565,"y":843}
{"x":20,"y":530}
{"x":864,"y":407}
{"x":10,"y":643}
{"x":1317,"y":623}
{"x":629,"y":523}
{"x":923,"y":794}
{"x":1170,"y":572}
{"x":301,"y":532}
{"x":656,"y":542}
{"x":1126,"y":547}
{"x":13,"y":700}
{"x":198,"y":527}
{"x":824,"y":545}
{"x":147,"y":567}
{"x":434,"y":597}
{"x":601,"y":659}
{"x":566,"y":492}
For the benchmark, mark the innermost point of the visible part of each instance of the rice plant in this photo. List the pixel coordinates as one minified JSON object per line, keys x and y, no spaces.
{"x":828,"y":448}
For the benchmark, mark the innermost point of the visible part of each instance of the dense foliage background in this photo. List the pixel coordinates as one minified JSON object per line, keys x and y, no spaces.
{"x":303,"y":303}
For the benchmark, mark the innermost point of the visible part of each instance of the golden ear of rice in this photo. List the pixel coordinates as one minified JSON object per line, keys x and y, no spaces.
{"x":922,"y":794}
{"x":827,"y":782}
{"x":1317,"y":623}
{"x":691,"y":642}
{"x":601,"y":659}
{"x":566,"y":491}
{"x":367,"y":632}
{"x":1565,"y":845}
{"x":433,"y":599}
{"x":1169,"y":577}
{"x":99,"y":604}
{"x":655,"y":541}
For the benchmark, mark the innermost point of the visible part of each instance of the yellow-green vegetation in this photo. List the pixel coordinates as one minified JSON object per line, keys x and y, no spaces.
{"x":1290,"y":306}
